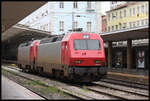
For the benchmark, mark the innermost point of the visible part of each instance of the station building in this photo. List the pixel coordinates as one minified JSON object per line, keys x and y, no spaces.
{"x":126,"y":16}
{"x":59,"y":17}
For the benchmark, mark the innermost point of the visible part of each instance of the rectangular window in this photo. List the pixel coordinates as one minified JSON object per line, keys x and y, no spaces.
{"x":112,"y":28}
{"x":124,"y":25}
{"x":116,"y":15}
{"x":146,"y":8}
{"x":146,"y":21}
{"x":44,"y":27}
{"x":130,"y":23}
{"x":75,"y":24}
{"x":120,"y":26}
{"x":61,"y":5}
{"x":89,"y":26}
{"x":75,"y":4}
{"x":88,"y":4}
{"x":138,"y":11}
{"x":124,"y":13}
{"x":46,"y":13}
{"x":86,"y":44}
{"x":116,"y":27}
{"x":42,"y":14}
{"x":133,"y":11}
{"x":108,"y":29}
{"x":138,"y":23}
{"x":120,"y":14}
{"x":112,"y":16}
{"x":130,"y":12}
{"x":142,"y":8}
{"x":133,"y":24}
{"x":108,"y":17}
{"x":61,"y":26}
{"x":142,"y":22}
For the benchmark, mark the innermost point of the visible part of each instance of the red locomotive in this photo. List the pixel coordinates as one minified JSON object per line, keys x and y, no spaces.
{"x":76,"y":56}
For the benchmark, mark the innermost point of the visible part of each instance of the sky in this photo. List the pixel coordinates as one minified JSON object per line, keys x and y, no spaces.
{"x":105,"y":6}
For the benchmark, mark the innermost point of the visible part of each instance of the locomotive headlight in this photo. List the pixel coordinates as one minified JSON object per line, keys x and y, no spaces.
{"x":98,"y":61}
{"x":78,"y":61}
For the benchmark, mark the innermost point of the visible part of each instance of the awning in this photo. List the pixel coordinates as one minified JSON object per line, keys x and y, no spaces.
{"x":123,"y":35}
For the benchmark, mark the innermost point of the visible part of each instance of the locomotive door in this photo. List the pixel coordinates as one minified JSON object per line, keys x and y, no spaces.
{"x":35,"y":52}
{"x":31,"y":55}
{"x":64,"y":53}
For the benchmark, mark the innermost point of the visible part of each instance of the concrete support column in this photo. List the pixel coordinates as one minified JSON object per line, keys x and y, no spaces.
{"x":129,"y":54}
{"x":109,"y":54}
{"x":3,"y":51}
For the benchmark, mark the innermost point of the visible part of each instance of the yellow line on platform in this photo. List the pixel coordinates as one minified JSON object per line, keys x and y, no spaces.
{"x":129,"y":75}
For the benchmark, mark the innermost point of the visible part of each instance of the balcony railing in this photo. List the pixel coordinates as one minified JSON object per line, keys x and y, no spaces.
{"x":90,"y":10}
{"x":126,"y":29}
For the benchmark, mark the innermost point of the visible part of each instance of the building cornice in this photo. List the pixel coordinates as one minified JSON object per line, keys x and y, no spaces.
{"x":122,"y":6}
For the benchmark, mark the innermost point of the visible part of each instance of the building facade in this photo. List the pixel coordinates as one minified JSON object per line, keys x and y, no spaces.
{"x":59,"y":17}
{"x":128,"y":15}
{"x":114,"y":4}
{"x":104,"y":23}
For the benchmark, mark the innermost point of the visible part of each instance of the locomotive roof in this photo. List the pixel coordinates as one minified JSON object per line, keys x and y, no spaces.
{"x":25,"y":44}
{"x":68,"y":35}
{"x":52,"y":39}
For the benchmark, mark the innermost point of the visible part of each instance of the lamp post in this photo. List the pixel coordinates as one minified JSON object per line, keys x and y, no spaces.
{"x":72,"y":20}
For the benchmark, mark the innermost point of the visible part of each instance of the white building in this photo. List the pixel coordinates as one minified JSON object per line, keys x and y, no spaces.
{"x":59,"y":17}
{"x":114,"y":4}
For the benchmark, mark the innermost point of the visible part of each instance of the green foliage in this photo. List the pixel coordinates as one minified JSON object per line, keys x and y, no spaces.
{"x":46,"y":89}
{"x":85,"y":88}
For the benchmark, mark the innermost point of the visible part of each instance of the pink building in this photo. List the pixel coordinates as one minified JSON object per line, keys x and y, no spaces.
{"x":104,"y":23}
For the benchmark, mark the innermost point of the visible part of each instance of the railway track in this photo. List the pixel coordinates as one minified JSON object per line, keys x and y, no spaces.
{"x":126,"y":83}
{"x":69,"y":89}
{"x":118,"y":82}
{"x":141,"y":92}
{"x":34,"y":92}
{"x":118,"y":91}
{"x":97,"y":90}
{"x":24,"y":76}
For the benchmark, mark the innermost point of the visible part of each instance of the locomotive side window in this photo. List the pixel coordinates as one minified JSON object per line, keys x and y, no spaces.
{"x":87,"y":45}
{"x":66,"y":45}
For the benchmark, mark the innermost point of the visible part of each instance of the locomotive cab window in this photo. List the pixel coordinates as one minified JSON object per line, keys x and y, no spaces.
{"x":87,"y":45}
{"x":66,"y":45}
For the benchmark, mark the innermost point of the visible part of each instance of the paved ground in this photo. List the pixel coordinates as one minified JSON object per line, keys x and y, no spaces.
{"x":12,"y":90}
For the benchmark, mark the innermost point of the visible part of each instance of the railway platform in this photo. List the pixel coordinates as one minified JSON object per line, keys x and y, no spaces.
{"x":132,"y":75}
{"x":12,"y":90}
